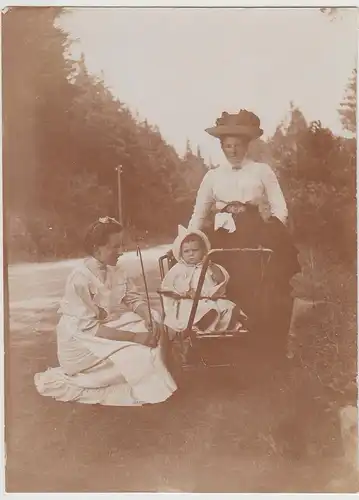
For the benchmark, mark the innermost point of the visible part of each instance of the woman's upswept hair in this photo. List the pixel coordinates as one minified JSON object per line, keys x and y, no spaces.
{"x":99,"y":232}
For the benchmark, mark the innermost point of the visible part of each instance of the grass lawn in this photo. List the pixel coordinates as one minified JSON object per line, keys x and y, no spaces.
{"x":227,"y":431}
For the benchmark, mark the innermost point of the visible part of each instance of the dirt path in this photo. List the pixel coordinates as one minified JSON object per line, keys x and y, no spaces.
{"x":221,"y":436}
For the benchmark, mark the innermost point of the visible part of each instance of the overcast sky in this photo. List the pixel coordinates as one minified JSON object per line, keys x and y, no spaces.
{"x":180,"y":68}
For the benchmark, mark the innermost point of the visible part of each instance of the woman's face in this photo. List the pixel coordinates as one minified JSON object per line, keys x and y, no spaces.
{"x":235,"y":149}
{"x":108,"y":254}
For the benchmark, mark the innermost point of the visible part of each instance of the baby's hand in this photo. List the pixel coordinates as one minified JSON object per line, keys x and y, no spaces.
{"x":145,"y":338}
{"x":190,"y":294}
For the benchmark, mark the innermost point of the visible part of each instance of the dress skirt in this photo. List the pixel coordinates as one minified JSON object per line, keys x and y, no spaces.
{"x":261,"y":287}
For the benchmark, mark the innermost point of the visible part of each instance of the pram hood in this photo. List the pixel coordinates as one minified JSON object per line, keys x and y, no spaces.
{"x":182,"y":234}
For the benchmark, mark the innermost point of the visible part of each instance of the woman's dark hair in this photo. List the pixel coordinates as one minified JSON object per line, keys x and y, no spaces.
{"x":99,"y":232}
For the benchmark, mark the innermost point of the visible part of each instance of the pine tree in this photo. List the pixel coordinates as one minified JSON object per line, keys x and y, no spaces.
{"x":65,"y":134}
{"x":347,"y":109}
{"x":36,"y":100}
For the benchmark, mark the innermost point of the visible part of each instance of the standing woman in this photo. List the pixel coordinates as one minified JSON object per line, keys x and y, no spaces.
{"x":250,"y":211}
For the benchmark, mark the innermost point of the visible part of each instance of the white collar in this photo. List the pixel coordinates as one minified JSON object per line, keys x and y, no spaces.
{"x":97,"y":268}
{"x":96,"y":264}
{"x":246,"y":161}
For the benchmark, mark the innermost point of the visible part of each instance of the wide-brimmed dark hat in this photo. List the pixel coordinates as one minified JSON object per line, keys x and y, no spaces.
{"x":244,"y":123}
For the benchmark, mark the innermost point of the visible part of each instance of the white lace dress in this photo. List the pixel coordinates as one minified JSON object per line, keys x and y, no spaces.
{"x":95,"y":370}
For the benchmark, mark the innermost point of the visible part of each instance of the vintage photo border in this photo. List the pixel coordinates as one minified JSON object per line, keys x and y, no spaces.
{"x":139,"y":4}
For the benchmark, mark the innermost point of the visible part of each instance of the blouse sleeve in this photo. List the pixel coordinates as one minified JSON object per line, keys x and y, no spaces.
{"x":204,"y":201}
{"x":277,"y":203}
{"x":132,"y":298}
{"x":77,"y":302}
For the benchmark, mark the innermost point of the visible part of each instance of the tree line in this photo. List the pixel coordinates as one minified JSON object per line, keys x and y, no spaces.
{"x":64,"y":135}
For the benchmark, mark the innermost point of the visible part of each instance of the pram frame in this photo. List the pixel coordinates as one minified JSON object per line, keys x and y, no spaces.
{"x":188,"y":332}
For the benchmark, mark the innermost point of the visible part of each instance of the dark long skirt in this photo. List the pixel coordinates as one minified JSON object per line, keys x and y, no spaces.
{"x":261,"y":289}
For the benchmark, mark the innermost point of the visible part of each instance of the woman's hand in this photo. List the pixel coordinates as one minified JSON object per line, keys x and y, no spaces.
{"x":109,"y":333}
{"x":102,"y":314}
{"x":154,"y":328}
{"x":235,"y":207}
{"x":145,"y":338}
{"x":151,"y":325}
{"x":143,"y":311}
{"x":154,"y":331}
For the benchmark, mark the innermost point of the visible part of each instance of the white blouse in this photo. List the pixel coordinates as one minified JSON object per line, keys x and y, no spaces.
{"x":253,"y":182}
{"x":89,"y":288}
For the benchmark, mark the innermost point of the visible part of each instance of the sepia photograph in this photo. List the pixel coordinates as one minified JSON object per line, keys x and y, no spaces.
{"x":180,"y":249}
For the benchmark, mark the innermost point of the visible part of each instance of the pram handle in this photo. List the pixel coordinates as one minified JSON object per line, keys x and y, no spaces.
{"x":205,"y":265}
{"x":169,"y":293}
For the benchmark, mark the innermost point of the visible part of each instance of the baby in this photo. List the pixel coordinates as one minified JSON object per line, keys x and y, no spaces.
{"x":214,"y":312}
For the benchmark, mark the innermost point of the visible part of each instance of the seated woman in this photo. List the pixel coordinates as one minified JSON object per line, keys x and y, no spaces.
{"x":106,"y":357}
{"x":214,"y":311}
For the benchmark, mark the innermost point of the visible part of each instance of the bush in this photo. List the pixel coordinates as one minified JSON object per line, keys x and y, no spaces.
{"x":318,"y":177}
